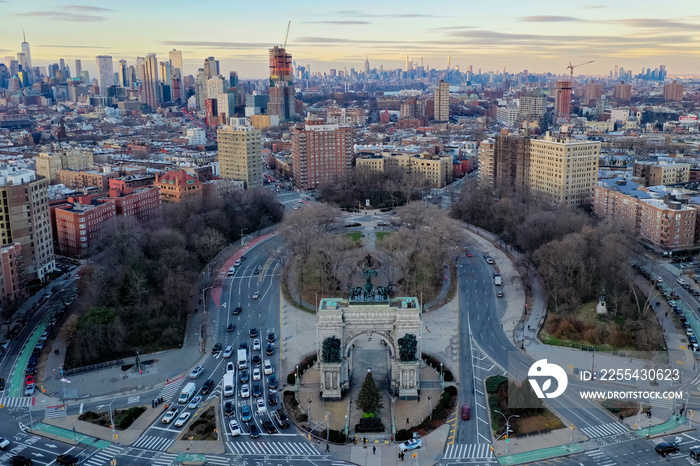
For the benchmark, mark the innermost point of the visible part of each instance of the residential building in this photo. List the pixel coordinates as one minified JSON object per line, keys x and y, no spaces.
{"x":178,"y":186}
{"x":14,"y":281}
{"x":508,"y":115}
{"x":511,"y":161}
{"x":196,"y":136}
{"x":563,"y":170}
{"x":105,"y":73}
{"x":662,"y":173}
{"x":78,"y":223}
{"x":437,"y":170}
{"x":442,"y":101}
{"x":142,"y":203}
{"x":78,"y":179}
{"x":240,"y":153}
{"x":321,"y":153}
{"x":345,"y":116}
{"x":48,"y":163}
{"x":532,"y":107}
{"x":622,"y":91}
{"x":592,"y":91}
{"x":673,"y":91}
{"x":282,"y":94}
{"x":25,"y":219}
{"x":487,"y":174}
{"x":562,"y":99}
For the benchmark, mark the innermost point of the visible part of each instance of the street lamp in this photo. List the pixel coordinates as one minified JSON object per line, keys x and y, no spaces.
{"x":442,"y":378}
{"x":111,"y":415}
{"x":308,"y":411}
{"x":296,"y":378}
{"x":507,"y":424}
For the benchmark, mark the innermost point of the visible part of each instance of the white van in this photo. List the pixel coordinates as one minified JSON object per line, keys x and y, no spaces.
{"x":187,"y":393}
{"x":229,"y":388}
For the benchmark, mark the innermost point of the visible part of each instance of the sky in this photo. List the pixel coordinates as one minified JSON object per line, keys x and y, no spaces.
{"x":537,"y":35}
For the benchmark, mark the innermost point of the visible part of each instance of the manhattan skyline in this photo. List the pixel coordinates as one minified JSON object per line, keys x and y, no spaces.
{"x":538,"y":36}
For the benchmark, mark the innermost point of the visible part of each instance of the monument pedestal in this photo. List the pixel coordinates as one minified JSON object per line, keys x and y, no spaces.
{"x":331,"y":387}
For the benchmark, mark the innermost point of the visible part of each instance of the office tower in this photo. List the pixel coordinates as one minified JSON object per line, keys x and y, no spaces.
{"x":616,"y":74}
{"x":673,"y":91}
{"x":105,"y":73}
{"x":176,"y":62}
{"x":233,"y":79}
{"x":166,"y":73}
{"x":442,"y":101}
{"x":622,"y":91}
{"x":139,"y":69}
{"x":321,"y":153}
{"x":211,"y":67}
{"x":27,"y":220}
{"x":62,"y":67}
{"x":85,"y":76}
{"x":200,"y":90}
{"x":662,"y":72}
{"x":131,"y":76}
{"x":282,"y":95}
{"x":562,"y":99}
{"x":28,"y":55}
{"x":122,"y":74}
{"x":150,"y":85}
{"x":240,"y":153}
{"x":78,"y":68}
{"x":366,"y":66}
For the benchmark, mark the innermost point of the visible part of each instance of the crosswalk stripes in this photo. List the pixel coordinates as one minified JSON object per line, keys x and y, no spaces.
{"x":465,"y":450}
{"x":163,"y":459}
{"x":220,"y":460}
{"x":600,"y":458}
{"x":171,"y":389}
{"x":54,"y":412}
{"x":605,"y":430}
{"x":274,"y":448}
{"x":151,"y":442}
{"x":103,"y":457}
{"x":661,"y":403}
{"x":16,"y":402}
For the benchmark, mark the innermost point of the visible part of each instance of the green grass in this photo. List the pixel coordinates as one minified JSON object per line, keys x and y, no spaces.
{"x":354,"y":235}
{"x":382,"y":234}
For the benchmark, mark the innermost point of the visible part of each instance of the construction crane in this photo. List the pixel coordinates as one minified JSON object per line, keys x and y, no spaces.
{"x":571,"y":67}
{"x":287,"y":35}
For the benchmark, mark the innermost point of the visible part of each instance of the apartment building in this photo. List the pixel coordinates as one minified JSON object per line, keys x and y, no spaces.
{"x":86,"y":179}
{"x":437,"y":170}
{"x":240,"y":153}
{"x":48,"y":163}
{"x":14,"y":281}
{"x":487,"y":172}
{"x":78,"y":223}
{"x":321,"y":153}
{"x":178,"y":186}
{"x":662,"y":173}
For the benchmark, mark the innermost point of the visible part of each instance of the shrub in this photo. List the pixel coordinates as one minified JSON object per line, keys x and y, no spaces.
{"x":291,"y":378}
{"x":369,"y":425}
{"x":493,"y":382}
{"x":336,"y":436}
{"x":127,"y":417}
{"x":403,"y":435}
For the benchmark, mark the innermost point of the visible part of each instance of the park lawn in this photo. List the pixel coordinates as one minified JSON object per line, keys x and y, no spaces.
{"x":354,"y":235}
{"x":382,"y":234}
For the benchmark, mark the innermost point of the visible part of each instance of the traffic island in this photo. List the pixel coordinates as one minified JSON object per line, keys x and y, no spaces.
{"x":203,"y":434}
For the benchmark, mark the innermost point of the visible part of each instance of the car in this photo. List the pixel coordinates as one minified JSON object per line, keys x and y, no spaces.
{"x":499,"y":294}
{"x":466,"y":412}
{"x":659,"y":280}
{"x":246,"y":413}
{"x":256,"y":360}
{"x":29,"y":379}
{"x":488,"y":261}
{"x":272,"y":399}
{"x":680,"y":281}
{"x":30,"y":370}
{"x":2,"y":384}
{"x":19,"y":460}
{"x":270,"y":350}
{"x":67,"y":460}
{"x":244,"y":346}
{"x":169,"y":415}
{"x":256,"y":344}
{"x":269,"y":427}
{"x":272,"y":382}
{"x":256,"y":295}
{"x":234,"y":428}
{"x":207,"y":387}
{"x":228,"y":409}
{"x":245,"y":376}
{"x":36,"y":352}
{"x":666,"y":447}
{"x":257,"y":270}
{"x":268,"y":367}
{"x":254,"y":431}
{"x":245,"y":391}
{"x":237,"y":310}
{"x":692,"y":339}
{"x":282,"y":418}
{"x":182,"y":420}
{"x":29,"y":389}
{"x":256,"y":373}
{"x":257,"y":393}
{"x":469,"y":254}
{"x":4,"y":442}
{"x":253,"y":332}
{"x":243,"y":257}
{"x":231,"y":272}
{"x":671,"y":302}
{"x":412,"y":444}
{"x":32,"y":361}
{"x":196,"y":372}
{"x":231,"y":327}
{"x":230,"y":367}
{"x":271,"y":337}
{"x":195,"y":403}
{"x":260,"y":404}
{"x":216,"y":349}
{"x":228,"y":351}
{"x":496,"y":274}
{"x":237,"y":263}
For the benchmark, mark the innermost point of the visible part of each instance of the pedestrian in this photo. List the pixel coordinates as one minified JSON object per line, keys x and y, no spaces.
{"x":328,"y":448}
{"x":666,"y":313}
{"x":364,"y":440}
{"x":407,"y":421}
{"x":153,"y":403}
{"x":162,"y":399}
{"x":167,"y":380}
{"x":374,"y":450}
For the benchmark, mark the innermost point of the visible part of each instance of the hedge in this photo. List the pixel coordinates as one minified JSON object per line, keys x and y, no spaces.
{"x":337,"y":436}
{"x":127,"y":417}
{"x":493,"y":382}
{"x":369,"y":425}
{"x":403,"y":435}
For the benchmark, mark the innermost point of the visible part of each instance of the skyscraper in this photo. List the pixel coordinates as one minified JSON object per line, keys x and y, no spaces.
{"x":150,"y":84}
{"x":78,"y":68}
{"x":105,"y":72}
{"x":562,"y":99}
{"x":211,"y":67}
{"x":27,"y":65}
{"x":622,"y":91}
{"x":442,"y":101}
{"x":282,"y":95}
{"x":122,"y":74}
{"x":321,"y":153}
{"x":176,"y":62}
{"x":139,"y":69}
{"x":240,"y":153}
{"x":367,"y":66}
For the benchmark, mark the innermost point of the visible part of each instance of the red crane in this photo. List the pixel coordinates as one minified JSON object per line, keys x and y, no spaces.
{"x":571,"y":67}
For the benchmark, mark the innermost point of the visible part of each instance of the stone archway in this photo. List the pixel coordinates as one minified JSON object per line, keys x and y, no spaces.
{"x":340,"y":322}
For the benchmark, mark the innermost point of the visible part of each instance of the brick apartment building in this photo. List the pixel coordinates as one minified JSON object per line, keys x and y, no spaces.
{"x":178,"y":186}
{"x":79,"y":222}
{"x":321,"y":153}
{"x":14,"y":280}
{"x":85,"y":179}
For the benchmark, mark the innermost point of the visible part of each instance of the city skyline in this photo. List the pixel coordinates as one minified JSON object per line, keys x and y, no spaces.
{"x":535,"y":36}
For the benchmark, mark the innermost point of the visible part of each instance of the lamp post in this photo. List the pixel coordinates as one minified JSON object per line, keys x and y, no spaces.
{"x":442,"y":378}
{"x":111,"y":415}
{"x":138,"y":366}
{"x":308,"y":410}
{"x":296,"y":379}
{"x":346,"y":427}
{"x":507,"y":424}
{"x":430,"y":400}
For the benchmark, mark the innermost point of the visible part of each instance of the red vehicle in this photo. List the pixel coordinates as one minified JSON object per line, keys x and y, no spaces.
{"x":466,"y":413}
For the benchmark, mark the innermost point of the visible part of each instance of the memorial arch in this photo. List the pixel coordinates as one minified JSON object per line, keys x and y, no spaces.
{"x":339,"y":322}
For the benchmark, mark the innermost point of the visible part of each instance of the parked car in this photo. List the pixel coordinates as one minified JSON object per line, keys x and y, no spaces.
{"x":169,"y":416}
{"x":196,"y":372}
{"x":234,"y":427}
{"x":29,"y":389}
{"x":182,"y":420}
{"x":412,"y":444}
{"x":499,"y":294}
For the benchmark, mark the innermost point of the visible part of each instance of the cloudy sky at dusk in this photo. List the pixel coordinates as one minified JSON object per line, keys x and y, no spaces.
{"x":537,"y":35}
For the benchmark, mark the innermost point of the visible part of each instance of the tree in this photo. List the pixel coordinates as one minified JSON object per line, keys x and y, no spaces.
{"x":369,"y":400}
